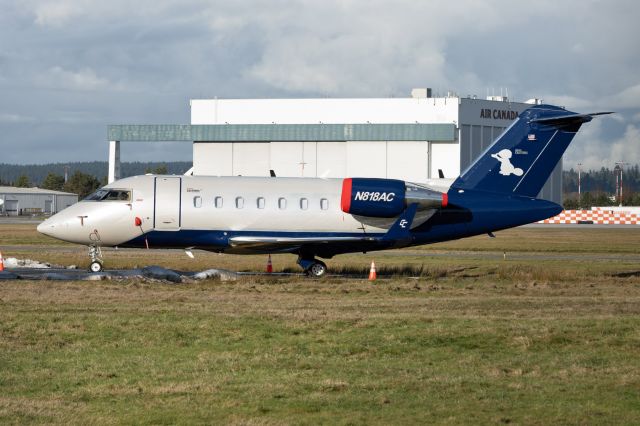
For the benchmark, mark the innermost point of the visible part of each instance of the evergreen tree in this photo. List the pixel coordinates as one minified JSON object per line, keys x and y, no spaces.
{"x":81,"y":184}
{"x":53,"y":181}
{"x":161,"y":170}
{"x":23,"y":182}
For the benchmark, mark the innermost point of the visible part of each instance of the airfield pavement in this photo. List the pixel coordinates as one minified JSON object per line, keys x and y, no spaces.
{"x":451,"y":333}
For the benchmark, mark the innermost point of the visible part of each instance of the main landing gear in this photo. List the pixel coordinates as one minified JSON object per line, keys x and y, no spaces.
{"x":312,"y":267}
{"x":96,"y":259}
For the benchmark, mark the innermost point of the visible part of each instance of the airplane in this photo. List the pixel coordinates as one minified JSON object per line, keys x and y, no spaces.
{"x":320,"y":217}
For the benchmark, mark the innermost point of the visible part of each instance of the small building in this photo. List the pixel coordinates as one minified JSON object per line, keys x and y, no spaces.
{"x":27,"y":201}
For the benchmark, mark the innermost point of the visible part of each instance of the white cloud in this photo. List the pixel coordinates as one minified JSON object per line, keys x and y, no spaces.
{"x":56,"y":13}
{"x":15,"y":118}
{"x":568,"y":101}
{"x":627,"y":98}
{"x":594,"y":150}
{"x":84,"y":79}
{"x":143,"y":60}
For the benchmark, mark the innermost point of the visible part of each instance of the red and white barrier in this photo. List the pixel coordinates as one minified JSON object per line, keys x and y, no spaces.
{"x":598,"y":216}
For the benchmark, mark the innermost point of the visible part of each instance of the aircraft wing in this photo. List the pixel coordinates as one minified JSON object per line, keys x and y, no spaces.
{"x":399,"y":232}
{"x":284,"y":243}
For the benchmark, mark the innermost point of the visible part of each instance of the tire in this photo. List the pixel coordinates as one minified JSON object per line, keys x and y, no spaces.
{"x":95,"y":266}
{"x":317,"y":269}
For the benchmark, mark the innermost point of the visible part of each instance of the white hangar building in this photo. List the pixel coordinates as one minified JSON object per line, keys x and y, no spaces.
{"x":401,"y":138}
{"x":26,"y":201}
{"x":477,"y":122}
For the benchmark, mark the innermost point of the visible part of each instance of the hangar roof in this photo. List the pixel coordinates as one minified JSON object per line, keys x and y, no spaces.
{"x":31,"y":191}
{"x":442,"y":132}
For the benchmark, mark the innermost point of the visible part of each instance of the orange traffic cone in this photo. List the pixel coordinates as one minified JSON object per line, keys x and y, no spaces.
{"x":269,"y":265}
{"x":372,"y":272}
{"x":1,"y":262}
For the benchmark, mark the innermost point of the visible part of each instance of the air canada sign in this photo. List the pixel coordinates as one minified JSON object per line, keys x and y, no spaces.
{"x":498,"y":114}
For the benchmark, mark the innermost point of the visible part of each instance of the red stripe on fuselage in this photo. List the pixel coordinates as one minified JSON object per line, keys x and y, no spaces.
{"x":445,"y":199}
{"x":345,"y":201}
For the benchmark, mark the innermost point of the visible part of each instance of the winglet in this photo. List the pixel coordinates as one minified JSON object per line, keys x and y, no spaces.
{"x":401,"y":229}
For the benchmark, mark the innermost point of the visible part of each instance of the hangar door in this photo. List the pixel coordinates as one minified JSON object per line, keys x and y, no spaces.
{"x":294,"y":159}
{"x":11,"y":207}
{"x":331,"y":159}
{"x":408,"y":160}
{"x":167,"y":204}
{"x":445,"y":156}
{"x":250,"y":158}
{"x":366,"y":159}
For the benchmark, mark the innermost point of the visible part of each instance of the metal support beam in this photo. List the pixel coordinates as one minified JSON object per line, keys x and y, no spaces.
{"x":114,"y":161}
{"x":439,"y":132}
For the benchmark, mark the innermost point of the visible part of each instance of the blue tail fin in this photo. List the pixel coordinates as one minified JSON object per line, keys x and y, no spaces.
{"x":520,"y":161}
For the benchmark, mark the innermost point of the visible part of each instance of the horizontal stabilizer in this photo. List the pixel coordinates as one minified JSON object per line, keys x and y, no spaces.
{"x":568,"y":119}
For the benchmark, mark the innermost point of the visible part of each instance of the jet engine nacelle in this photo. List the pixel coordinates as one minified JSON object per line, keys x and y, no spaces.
{"x":386,"y":197}
{"x":373,"y":197}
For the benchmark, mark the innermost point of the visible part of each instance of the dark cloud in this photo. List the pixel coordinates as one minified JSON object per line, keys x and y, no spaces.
{"x":70,"y":67}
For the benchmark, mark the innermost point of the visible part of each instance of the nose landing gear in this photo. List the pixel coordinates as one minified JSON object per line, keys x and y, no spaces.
{"x":96,"y":259}
{"x":312,"y":267}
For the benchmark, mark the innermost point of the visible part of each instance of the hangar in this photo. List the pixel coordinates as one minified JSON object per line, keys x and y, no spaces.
{"x":25,"y":201}
{"x":409,"y":138}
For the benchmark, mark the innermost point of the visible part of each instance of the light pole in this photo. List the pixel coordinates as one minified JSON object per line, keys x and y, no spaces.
{"x":616,"y":172}
{"x":619,"y":167}
{"x":579,"y":182}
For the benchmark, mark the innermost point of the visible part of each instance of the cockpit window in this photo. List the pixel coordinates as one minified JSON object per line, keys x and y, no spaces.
{"x":97,"y":196}
{"x":110,"y":195}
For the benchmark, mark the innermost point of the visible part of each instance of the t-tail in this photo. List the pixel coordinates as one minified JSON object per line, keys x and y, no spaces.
{"x":521,"y":160}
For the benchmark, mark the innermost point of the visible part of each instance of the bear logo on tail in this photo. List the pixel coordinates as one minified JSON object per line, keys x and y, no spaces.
{"x":506,"y":168}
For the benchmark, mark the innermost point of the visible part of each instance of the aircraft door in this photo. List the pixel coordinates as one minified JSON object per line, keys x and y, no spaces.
{"x":167,"y":203}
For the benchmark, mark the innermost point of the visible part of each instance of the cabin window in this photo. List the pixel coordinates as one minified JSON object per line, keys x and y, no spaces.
{"x":324,"y":203}
{"x":239,"y":202}
{"x":304,"y":203}
{"x":260,"y":202}
{"x":218,"y":202}
{"x":282,"y":203}
{"x":197,"y":201}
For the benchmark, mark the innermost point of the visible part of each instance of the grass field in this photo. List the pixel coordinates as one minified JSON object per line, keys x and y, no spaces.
{"x":551,"y":335}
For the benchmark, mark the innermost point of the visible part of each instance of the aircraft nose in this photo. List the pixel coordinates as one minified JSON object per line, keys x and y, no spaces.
{"x":47,"y":227}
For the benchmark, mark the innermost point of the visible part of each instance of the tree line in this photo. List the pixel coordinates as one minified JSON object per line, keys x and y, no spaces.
{"x":79,"y":181}
{"x":9,"y":173}
{"x":598,"y":187}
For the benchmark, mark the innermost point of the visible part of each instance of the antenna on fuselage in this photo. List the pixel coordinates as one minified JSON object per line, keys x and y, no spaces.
{"x":272,"y":173}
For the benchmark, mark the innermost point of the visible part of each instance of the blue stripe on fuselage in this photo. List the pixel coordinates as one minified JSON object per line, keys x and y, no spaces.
{"x":469,"y":213}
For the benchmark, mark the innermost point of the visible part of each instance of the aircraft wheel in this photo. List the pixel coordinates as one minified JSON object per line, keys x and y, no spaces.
{"x":95,"y":266}
{"x":317,"y":269}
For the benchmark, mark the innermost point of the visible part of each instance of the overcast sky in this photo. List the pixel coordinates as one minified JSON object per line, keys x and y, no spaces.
{"x":70,"y":67}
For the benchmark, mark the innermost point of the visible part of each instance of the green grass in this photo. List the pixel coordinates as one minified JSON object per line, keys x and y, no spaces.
{"x":468,"y":338}
{"x":263,"y":351}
